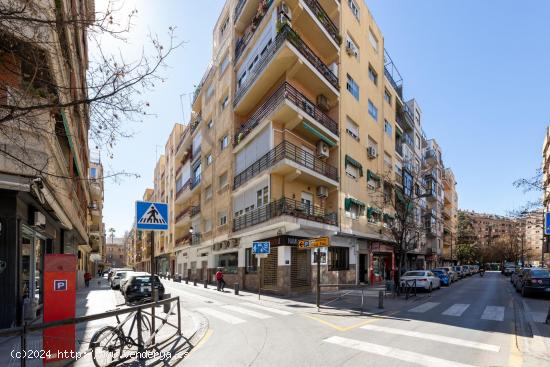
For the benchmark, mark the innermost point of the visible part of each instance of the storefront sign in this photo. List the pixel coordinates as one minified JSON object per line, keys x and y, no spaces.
{"x":313,"y":243}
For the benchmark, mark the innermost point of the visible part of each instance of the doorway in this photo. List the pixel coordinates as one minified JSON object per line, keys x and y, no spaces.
{"x":307,"y":202}
{"x":363,"y":268}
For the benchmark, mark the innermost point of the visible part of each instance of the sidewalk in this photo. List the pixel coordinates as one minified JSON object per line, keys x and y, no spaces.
{"x":99,"y":298}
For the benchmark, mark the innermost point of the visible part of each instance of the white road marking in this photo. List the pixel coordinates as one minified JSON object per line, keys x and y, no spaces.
{"x":538,"y":316}
{"x":394,"y":353}
{"x":456,"y":310}
{"x":195,"y":297}
{"x":268,"y":309}
{"x":424,"y":307}
{"x":495,"y":313}
{"x":434,"y":337}
{"x":221,"y":315}
{"x":245,"y":311}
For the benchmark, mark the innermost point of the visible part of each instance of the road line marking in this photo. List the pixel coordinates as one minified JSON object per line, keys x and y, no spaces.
{"x":434,"y":337}
{"x":495,"y":313}
{"x":424,"y":307}
{"x":221,"y":315}
{"x":267,"y":309}
{"x":456,"y":310}
{"x":395,"y":353}
{"x":245,"y":311}
{"x":336,"y":327}
{"x":201,"y":342}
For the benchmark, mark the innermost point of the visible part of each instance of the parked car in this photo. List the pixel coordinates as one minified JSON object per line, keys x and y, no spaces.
{"x":138,"y":287}
{"x":425,"y":279}
{"x":118,"y":276}
{"x":466,"y":270}
{"x":507,"y":265}
{"x":452,"y":274}
{"x":514,"y":277}
{"x":509,"y":270}
{"x":535,"y":280}
{"x":125,"y":276}
{"x":459,"y":271}
{"x":476,"y":268}
{"x":443,"y":276}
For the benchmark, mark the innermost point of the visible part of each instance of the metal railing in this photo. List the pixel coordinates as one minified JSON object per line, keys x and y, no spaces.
{"x":183,"y":188}
{"x":288,"y":92}
{"x":196,"y":238}
{"x":325,"y":20}
{"x":196,"y":121}
{"x":238,"y":8}
{"x":284,"y":206}
{"x":245,"y":39}
{"x":286,"y":33}
{"x":285,"y":150}
{"x":195,"y":210}
{"x":183,"y":239}
{"x":195,"y":181}
{"x":182,"y":214}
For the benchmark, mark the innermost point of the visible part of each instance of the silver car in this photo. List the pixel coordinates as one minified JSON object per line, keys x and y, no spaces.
{"x":452,"y":273}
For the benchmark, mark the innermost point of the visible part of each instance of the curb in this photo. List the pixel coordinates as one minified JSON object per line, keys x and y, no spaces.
{"x":202,"y":327}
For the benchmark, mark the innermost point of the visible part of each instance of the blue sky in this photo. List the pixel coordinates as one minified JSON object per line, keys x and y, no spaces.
{"x":479,"y":69}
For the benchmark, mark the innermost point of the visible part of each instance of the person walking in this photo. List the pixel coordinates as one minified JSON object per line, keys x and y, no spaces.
{"x":87,"y":278}
{"x":219,"y":280}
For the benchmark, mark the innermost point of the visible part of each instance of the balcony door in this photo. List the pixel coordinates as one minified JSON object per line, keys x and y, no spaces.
{"x":307,"y":202}
{"x":308,"y":158}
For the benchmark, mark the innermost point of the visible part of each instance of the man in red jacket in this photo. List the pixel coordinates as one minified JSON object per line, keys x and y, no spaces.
{"x":219,"y":279}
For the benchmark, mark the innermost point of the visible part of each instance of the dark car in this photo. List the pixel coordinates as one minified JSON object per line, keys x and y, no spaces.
{"x":509,"y":270}
{"x":535,"y":281}
{"x":138,"y":287}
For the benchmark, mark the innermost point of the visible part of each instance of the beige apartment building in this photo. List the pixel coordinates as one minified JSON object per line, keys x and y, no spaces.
{"x":533,"y":223}
{"x":450,"y":217}
{"x":546,"y":190}
{"x":299,"y":129}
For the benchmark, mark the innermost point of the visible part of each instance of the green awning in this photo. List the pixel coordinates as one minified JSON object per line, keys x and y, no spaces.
{"x":399,"y":196}
{"x":354,"y":163}
{"x":349,"y":201}
{"x":372,"y":210}
{"x":312,"y":129}
{"x":71,"y":143}
{"x":398,"y":133}
{"x":372,"y":176}
{"x":388,"y":217}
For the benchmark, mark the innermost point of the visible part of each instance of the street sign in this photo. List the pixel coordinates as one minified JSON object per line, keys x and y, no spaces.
{"x":151,"y":216}
{"x":60,"y":285}
{"x":313,"y":243}
{"x":259,"y":248}
{"x":547,"y":223}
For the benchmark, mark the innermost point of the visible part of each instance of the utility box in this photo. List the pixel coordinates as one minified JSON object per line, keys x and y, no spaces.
{"x":59,"y":304}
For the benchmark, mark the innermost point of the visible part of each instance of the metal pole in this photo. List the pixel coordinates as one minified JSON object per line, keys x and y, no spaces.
{"x":318,"y":293}
{"x":261,"y":272}
{"x":153,"y":290}
{"x":140,"y":337}
{"x":24,"y":345}
{"x":179,"y":316}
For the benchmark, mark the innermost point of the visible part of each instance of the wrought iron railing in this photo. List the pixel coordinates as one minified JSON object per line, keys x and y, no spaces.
{"x":325,"y":20}
{"x":285,"y":150}
{"x":285,"y":91}
{"x":183,"y":188}
{"x":286,"y":33}
{"x":249,"y":33}
{"x":238,"y":8}
{"x":195,"y":238}
{"x":195,"y":210}
{"x":284,"y":206}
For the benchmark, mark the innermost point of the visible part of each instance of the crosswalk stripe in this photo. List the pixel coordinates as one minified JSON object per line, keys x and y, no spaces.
{"x":456,"y":310}
{"x":245,"y":311}
{"x":424,"y":307}
{"x":395,"y":353}
{"x":221,"y":315}
{"x":195,"y":297}
{"x":495,"y":313}
{"x":268,"y":309}
{"x":434,"y":337}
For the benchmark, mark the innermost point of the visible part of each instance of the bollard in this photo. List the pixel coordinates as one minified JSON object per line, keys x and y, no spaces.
{"x":380,"y":299}
{"x":166,"y":305}
{"x":186,"y":280}
{"x":195,"y":282}
{"x":236,"y":287}
{"x":205,"y":283}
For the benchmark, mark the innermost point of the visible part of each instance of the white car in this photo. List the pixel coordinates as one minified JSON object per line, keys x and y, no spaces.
{"x":117,"y":276}
{"x":424,"y":279}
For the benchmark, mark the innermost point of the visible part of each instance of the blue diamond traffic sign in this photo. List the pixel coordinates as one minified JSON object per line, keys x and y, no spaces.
{"x":151,"y":216}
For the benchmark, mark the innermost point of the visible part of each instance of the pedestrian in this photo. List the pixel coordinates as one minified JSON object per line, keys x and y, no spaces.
{"x":219,"y":280}
{"x":87,"y":277}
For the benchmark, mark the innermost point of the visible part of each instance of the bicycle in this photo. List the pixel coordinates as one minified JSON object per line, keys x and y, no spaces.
{"x":109,"y":342}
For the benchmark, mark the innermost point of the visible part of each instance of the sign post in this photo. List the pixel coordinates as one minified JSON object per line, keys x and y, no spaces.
{"x":261,"y":249}
{"x":153,"y":217}
{"x":316,"y":243}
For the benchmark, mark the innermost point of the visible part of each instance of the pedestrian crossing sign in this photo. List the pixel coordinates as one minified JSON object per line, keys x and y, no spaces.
{"x":547,"y":223}
{"x":151,"y":216}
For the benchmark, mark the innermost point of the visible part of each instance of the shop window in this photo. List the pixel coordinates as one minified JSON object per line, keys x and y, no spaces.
{"x":228,"y":262}
{"x":251,"y":262}
{"x":338,"y":258}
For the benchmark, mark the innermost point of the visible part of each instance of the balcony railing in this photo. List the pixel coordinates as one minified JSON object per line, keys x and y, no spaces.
{"x":183,"y":240}
{"x":284,"y":206}
{"x":238,"y":8}
{"x":392,"y":74}
{"x":251,"y":29}
{"x":286,"y":33}
{"x":195,"y":181}
{"x":285,"y":91}
{"x":325,"y":20}
{"x":182,"y":214}
{"x":285,"y":150}
{"x":196,"y":238}
{"x":195,"y":210}
{"x":183,"y":187}
{"x":196,"y":121}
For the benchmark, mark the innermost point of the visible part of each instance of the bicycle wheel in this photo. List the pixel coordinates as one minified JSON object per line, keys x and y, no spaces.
{"x":106,"y":345}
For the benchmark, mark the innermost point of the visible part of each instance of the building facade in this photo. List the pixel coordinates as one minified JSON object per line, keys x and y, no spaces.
{"x":546,"y":190}
{"x":116,"y":252}
{"x":533,"y":223}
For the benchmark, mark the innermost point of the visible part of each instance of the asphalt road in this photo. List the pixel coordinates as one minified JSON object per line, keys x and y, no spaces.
{"x":475,"y":322}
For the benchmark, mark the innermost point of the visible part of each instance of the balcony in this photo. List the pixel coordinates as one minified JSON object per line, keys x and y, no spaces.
{"x":392,"y":74}
{"x":183,"y":191}
{"x":404,"y":117}
{"x":285,"y":100}
{"x":287,"y":158}
{"x":195,"y":181}
{"x":183,"y":240}
{"x":184,"y":145}
{"x":183,"y":217}
{"x":318,"y":12}
{"x":287,"y":54}
{"x":196,"y":239}
{"x":284,"y":206}
{"x":250,"y":30}
{"x":195,"y":210}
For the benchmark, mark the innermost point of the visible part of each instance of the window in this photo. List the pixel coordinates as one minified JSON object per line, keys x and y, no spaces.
{"x":352,"y":171}
{"x":210,"y":91}
{"x":338,"y":258}
{"x":262,"y":197}
{"x":354,"y":8}
{"x":208,"y":192}
{"x":222,"y":179}
{"x":224,"y":64}
{"x":351,"y":48}
{"x":229,"y":262}
{"x":352,"y":128}
{"x":223,"y":27}
{"x":388,"y":128}
{"x":373,"y":40}
{"x":373,"y":75}
{"x":417,"y":141}
{"x":209,"y":159}
{"x":93,"y":172}
{"x":224,"y":102}
{"x":352,"y":87}
{"x":387,"y":96}
{"x":222,"y":218}
{"x":407,"y":183}
{"x":250,"y":261}
{"x":224,"y":142}
{"x":210,"y":124}
{"x":208,"y":225}
{"x":373,"y":111}
{"x":353,"y":211}
{"x":387,"y":160}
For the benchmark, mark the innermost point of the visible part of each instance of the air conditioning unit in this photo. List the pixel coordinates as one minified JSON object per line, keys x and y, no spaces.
{"x":322,"y":102}
{"x":322,"y":149}
{"x":372,"y":152}
{"x":322,"y":191}
{"x":39,"y":220}
{"x":334,"y":68}
{"x":349,"y":50}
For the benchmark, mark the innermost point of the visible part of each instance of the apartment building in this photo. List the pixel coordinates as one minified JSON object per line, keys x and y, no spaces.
{"x":450,"y":217}
{"x":95,"y":218}
{"x":44,"y":188}
{"x":533,"y":225}
{"x":491,"y":227}
{"x":116,"y":253}
{"x":546,"y":189}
